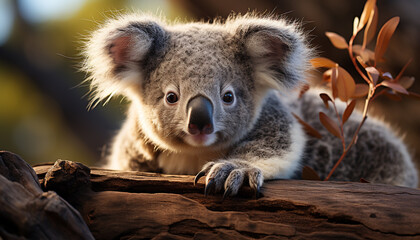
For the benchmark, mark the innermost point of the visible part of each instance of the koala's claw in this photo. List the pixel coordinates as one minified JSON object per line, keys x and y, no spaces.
{"x":209,"y":187}
{"x":229,"y":176}
{"x":203,"y":171}
{"x":227,"y":193}
{"x":257,"y":192}
{"x":198,"y":176}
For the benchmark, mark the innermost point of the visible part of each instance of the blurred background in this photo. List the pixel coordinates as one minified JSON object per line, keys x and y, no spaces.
{"x":43,"y":107}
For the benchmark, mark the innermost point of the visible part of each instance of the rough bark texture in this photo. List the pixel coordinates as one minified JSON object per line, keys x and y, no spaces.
{"x":135,"y":205}
{"x":26,"y":212}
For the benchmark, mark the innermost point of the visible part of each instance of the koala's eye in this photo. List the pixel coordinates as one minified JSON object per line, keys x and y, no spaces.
{"x":228,"y":97}
{"x":171,"y":98}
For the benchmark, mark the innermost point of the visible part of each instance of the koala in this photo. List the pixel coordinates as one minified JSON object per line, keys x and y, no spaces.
{"x":216,"y":100}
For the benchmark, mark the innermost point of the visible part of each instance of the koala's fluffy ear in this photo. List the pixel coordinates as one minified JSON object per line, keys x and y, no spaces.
{"x":119,"y":53}
{"x":278,"y":51}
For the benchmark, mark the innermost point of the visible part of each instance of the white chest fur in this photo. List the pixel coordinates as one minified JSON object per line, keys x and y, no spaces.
{"x":186,"y":163}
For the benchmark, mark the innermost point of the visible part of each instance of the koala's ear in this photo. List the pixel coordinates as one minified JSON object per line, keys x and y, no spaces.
{"x":119,"y":54}
{"x":278,"y":51}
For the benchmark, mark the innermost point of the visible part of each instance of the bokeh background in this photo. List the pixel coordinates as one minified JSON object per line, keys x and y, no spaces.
{"x":43,"y":107}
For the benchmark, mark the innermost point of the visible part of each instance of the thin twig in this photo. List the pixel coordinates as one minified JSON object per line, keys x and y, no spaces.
{"x":353,"y":59}
{"x":356,"y":133}
{"x":347,"y":149}
{"x":371,"y":92}
{"x":341,"y":125}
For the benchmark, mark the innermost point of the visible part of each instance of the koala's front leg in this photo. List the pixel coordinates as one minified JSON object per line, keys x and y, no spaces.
{"x":230,"y":176}
{"x":272,"y":150}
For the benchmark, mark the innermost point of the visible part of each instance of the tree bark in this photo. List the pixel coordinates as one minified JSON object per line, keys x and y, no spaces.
{"x":133,"y":205}
{"x":26,"y":212}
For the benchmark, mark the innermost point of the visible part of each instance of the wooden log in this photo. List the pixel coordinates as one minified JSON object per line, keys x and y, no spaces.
{"x":118,"y":204}
{"x":26,"y":212}
{"x":124,"y":204}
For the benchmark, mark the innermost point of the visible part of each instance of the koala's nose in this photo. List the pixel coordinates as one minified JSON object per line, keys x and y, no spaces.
{"x":200,"y":115}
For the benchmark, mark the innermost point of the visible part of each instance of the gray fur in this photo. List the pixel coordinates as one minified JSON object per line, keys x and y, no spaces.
{"x":256,"y":137}
{"x":378,"y":156}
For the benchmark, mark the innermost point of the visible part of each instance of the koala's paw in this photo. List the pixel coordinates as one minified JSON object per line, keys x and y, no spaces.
{"x":230,"y":176}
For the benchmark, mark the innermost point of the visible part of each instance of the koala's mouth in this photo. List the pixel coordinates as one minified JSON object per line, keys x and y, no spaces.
{"x":201,"y":139}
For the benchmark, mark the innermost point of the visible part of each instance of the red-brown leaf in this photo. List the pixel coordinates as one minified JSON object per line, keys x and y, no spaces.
{"x":325,"y":98}
{"x":309,"y":173}
{"x":337,"y":40}
{"x":366,"y":54}
{"x":329,"y":124}
{"x":345,"y":85}
{"x":406,"y":82}
{"x":355,"y":26}
{"x":361,"y":61}
{"x":322,"y":62}
{"x":326,"y":76}
{"x":308,"y":128}
{"x":334,"y":73}
{"x":394,"y":86}
{"x":371,"y":27}
{"x":349,"y":110}
{"x":367,"y":11}
{"x":361,"y":90}
{"x":387,"y":76}
{"x":373,"y":74}
{"x":384,"y":36}
{"x":304,"y":89}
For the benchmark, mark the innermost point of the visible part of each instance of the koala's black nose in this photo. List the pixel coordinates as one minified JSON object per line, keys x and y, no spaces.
{"x":200,"y":115}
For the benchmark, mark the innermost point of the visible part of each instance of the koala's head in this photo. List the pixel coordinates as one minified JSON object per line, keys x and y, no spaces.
{"x":196,"y":85}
